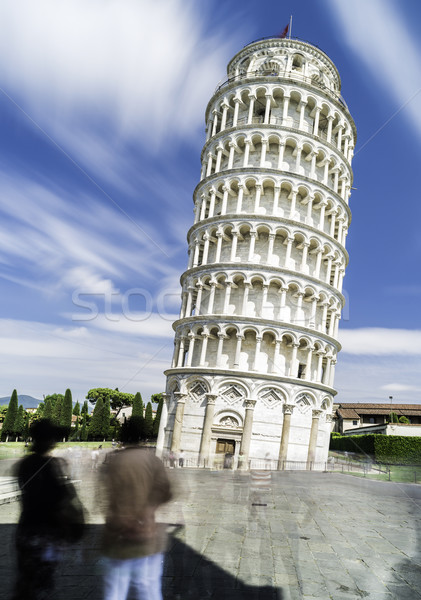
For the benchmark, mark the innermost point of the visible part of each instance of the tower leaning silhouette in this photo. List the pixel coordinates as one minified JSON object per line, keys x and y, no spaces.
{"x":256,"y":342}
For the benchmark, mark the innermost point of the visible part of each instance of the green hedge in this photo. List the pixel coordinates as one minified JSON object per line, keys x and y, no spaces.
{"x":398,"y":449}
{"x":395,"y":449}
{"x":364,"y":444}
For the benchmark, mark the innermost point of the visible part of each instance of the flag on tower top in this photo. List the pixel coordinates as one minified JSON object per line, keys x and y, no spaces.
{"x":284,"y":33}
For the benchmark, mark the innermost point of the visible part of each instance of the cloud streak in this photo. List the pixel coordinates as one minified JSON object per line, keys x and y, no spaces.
{"x":380,"y":341}
{"x":146,"y":67}
{"x":387,"y":50}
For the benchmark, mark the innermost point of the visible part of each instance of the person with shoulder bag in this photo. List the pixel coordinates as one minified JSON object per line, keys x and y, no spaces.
{"x":51,"y":515}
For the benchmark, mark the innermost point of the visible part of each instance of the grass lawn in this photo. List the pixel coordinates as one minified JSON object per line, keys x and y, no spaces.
{"x":398,"y":473}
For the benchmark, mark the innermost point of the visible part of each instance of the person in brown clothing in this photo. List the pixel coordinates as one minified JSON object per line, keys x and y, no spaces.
{"x":133,"y":543}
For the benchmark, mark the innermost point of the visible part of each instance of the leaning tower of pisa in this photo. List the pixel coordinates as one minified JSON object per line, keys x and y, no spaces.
{"x":256,"y":342}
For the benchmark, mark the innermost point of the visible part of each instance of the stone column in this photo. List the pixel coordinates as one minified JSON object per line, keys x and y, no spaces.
{"x":332,"y":223}
{"x":178,"y":421}
{"x":192,"y":339}
{"x":277,"y":353}
{"x":265,"y":291}
{"x":247,"y":287}
{"x":219,"y":235}
{"x":247,"y":145}
{"x":267,"y":108}
{"x":308,"y":371}
{"x":285,"y":110}
{"x":247,"y":429}
{"x":221,"y":337}
{"x":251,"y":108}
{"x":202,"y":360}
{"x":231,"y":155}
{"x":162,"y":425}
{"x":190,"y":291}
{"x":224,"y":201}
{"x":318,"y":263}
{"x":199,"y":299}
{"x":292,"y":367}
{"x":281,"y":154}
{"x":322,"y":205}
{"x":263,"y":154}
{"x":203,"y":207}
{"x":286,"y":426}
{"x":181,"y":352}
{"x":240,"y":198}
{"x":206,"y":237}
{"x":253,"y":236}
{"x":212,"y":204}
{"x":302,"y":110}
{"x":240,"y":338}
{"x":236,"y":109}
{"x":257,"y":199}
{"x":234,"y":246}
{"x":207,"y":429}
{"x":303,"y":265}
{"x":309,"y":219}
{"x":290,"y":241}
{"x":215,"y":121}
{"x":176,"y":351}
{"x":313,"y":438}
{"x":224,"y":116}
{"x":282,"y":303}
{"x":329,"y":128}
{"x":270,"y":248}
{"x":277,"y":189}
{"x":256,"y":354}
{"x":228,"y":285}
{"x":293,"y":201}
{"x":211,"y":297}
{"x":316,"y":121}
{"x":210,"y":162}
{"x":298,"y":159}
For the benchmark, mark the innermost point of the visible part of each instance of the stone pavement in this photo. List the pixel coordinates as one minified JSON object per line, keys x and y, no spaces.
{"x":296,"y":535}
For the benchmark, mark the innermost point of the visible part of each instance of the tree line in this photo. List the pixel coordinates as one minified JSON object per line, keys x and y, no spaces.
{"x":76,"y":422}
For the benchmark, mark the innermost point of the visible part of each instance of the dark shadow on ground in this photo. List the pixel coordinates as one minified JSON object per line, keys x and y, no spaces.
{"x":187,"y":574}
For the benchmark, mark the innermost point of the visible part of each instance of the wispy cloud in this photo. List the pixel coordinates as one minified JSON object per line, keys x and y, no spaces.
{"x":146,"y":67}
{"x":377,"y":34}
{"x":41,"y":358}
{"x":74,"y":244}
{"x":380,"y":341}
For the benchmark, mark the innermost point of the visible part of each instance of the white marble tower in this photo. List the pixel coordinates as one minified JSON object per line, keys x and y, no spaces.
{"x":256,"y":341}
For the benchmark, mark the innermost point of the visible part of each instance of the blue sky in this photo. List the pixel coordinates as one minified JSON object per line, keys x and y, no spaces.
{"x":102,"y":123}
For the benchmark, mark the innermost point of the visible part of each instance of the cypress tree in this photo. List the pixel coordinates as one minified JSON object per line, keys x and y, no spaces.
{"x":57,"y":400}
{"x":20,"y":421}
{"x":84,"y":429}
{"x":66,"y":412}
{"x":137,"y":410}
{"x":105,"y":419}
{"x":137,"y":419}
{"x":11,"y":415}
{"x":48,"y":410}
{"x":95,"y":426}
{"x":148,"y":421}
{"x":76,"y":412}
{"x":158,"y":416}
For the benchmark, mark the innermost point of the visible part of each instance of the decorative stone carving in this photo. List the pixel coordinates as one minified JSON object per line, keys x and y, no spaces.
{"x":271,"y":398}
{"x":229,"y":422}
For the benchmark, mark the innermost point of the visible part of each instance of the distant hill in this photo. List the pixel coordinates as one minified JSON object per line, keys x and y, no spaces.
{"x":26,"y":401}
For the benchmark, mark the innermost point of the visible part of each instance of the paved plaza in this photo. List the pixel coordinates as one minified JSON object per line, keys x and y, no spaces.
{"x":284,"y":536}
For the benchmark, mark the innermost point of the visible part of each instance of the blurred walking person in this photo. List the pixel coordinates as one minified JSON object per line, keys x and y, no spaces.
{"x":51,"y":514}
{"x":136,"y":484}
